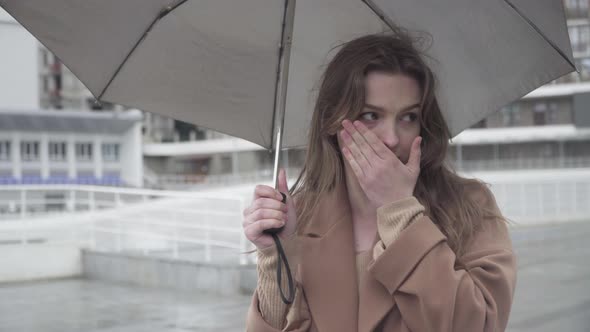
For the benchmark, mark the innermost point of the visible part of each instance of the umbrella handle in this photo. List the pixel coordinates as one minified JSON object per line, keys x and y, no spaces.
{"x":282,"y":260}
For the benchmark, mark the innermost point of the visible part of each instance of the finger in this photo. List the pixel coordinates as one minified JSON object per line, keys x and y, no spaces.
{"x":360,"y":141}
{"x":415,"y":155}
{"x":353,"y":163}
{"x":357,"y":155}
{"x":266,"y":191}
{"x":262,"y":214}
{"x":268,"y":214}
{"x":373,"y":141}
{"x":255,"y":230}
{"x":282,"y":185}
{"x":265,"y":203}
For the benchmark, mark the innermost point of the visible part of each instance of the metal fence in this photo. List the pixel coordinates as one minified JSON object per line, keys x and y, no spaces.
{"x":195,"y":182}
{"x":207,"y":226}
{"x":520,"y":164}
{"x":541,"y":196}
{"x":179,"y":225}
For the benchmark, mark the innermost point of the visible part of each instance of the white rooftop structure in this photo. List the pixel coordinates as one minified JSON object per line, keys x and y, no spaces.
{"x":199,"y":148}
{"x":559,"y":90}
{"x":521,"y":134}
{"x":68,"y":120}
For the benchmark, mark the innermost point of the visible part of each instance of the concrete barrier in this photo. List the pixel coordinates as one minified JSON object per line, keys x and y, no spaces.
{"x":167,"y":273}
{"x":28,"y":262}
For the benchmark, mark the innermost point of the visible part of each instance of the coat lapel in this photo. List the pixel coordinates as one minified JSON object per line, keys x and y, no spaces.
{"x":374,"y":302}
{"x":328,"y":264}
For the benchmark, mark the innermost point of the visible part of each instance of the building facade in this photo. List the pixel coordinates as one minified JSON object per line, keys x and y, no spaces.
{"x":66,"y":147}
{"x":546,"y":129}
{"x":18,"y":69}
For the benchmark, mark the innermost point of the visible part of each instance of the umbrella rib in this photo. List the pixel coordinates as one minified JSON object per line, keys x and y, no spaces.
{"x":534,"y":26}
{"x":381,"y":15}
{"x":165,"y":11}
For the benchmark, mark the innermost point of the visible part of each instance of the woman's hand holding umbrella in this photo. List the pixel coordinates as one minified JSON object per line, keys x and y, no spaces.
{"x":267,"y":211}
{"x":381,"y":174}
{"x":272,"y":211}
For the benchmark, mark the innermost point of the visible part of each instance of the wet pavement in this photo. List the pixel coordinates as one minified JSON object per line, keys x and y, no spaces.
{"x":553,"y":286}
{"x":83,"y":305}
{"x":552,"y":294}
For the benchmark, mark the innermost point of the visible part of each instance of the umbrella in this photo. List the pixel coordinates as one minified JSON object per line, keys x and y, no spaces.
{"x":239,"y":67}
{"x":246,"y":67}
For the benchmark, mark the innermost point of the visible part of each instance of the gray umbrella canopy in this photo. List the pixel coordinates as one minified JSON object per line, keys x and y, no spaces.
{"x":216,"y":63}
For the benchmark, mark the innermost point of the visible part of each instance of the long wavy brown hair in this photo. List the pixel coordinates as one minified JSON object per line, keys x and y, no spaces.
{"x":445,"y":195}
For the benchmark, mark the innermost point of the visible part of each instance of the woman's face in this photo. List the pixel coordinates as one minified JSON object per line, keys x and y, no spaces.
{"x":392,"y":111}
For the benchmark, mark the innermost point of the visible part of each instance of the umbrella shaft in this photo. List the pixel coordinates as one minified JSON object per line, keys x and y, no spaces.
{"x":282,"y":79}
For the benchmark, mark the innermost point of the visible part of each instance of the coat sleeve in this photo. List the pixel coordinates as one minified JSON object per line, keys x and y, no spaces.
{"x":435,"y":291}
{"x":267,"y":311}
{"x":298,"y":317}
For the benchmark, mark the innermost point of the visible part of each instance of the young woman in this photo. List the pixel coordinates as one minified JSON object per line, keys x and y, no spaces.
{"x":382,"y":234}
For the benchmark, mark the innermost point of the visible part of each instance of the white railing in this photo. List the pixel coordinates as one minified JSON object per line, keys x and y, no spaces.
{"x":207,"y":226}
{"x":178,"y":225}
{"x":522,"y":164}
{"x":201,"y":229}
{"x":25,"y":201}
{"x":541,"y":196}
{"x":188,"y":181}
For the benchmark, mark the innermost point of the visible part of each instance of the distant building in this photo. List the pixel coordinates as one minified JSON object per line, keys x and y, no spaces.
{"x":548,"y":128}
{"x":67,"y":147}
{"x":18,"y":69}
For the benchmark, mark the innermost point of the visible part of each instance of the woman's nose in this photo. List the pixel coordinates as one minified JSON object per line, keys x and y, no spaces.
{"x":389,"y":137}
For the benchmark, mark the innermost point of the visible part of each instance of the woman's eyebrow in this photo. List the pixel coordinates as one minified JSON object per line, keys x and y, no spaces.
{"x":381,"y":109}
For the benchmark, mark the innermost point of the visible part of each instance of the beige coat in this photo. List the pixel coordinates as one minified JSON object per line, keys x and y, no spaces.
{"x":416,"y":284}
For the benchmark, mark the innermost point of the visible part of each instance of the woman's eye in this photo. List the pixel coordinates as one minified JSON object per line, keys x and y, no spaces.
{"x":409,"y":117}
{"x":370,"y":116}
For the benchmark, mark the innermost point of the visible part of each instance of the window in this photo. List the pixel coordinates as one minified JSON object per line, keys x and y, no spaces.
{"x":45,"y":83}
{"x":57,"y":151}
{"x":510,"y":115}
{"x":4,"y":150}
{"x":576,"y":8}
{"x":110,"y":152}
{"x":579,"y":37}
{"x":44,"y":57}
{"x":226,"y":164}
{"x":540,"y":114}
{"x":84,"y":151}
{"x":29,"y":151}
{"x":552,"y":113}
